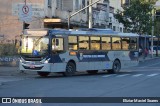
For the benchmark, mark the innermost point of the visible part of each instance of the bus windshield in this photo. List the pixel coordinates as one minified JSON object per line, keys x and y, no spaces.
{"x":34,"y":45}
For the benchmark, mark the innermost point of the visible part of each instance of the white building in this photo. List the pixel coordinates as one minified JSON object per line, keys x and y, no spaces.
{"x":59,"y":10}
{"x":114,"y":6}
{"x":101,"y":14}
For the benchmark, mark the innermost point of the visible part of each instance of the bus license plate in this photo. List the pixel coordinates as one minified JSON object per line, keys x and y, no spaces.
{"x":32,"y":66}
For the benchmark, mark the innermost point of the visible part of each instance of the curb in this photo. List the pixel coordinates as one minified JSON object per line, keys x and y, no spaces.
{"x":142,"y":60}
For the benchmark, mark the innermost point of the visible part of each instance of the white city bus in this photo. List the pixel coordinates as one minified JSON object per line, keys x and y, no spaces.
{"x":67,"y":51}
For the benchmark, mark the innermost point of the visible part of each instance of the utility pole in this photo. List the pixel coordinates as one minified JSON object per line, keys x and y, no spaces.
{"x":152,"y":33}
{"x":90,"y":14}
{"x":25,"y":2}
{"x":69,"y":16}
{"x":24,"y":21}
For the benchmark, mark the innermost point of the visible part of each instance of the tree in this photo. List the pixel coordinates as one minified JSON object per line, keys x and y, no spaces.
{"x":157,"y":23}
{"x":137,"y":16}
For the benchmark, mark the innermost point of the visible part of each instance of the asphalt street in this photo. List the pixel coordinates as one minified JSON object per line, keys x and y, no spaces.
{"x":140,"y":81}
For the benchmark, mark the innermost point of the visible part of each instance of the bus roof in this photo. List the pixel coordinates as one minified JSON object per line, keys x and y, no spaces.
{"x":91,"y":31}
{"x":82,"y":31}
{"x":128,"y":34}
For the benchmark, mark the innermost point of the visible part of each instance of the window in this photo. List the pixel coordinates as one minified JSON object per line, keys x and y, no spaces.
{"x":106,"y":43}
{"x":83,"y":42}
{"x":95,"y":43}
{"x":57,"y":45}
{"x":116,"y":43}
{"x":49,"y":3}
{"x":125,"y":43}
{"x":121,"y":29}
{"x":59,"y":4}
{"x":133,"y":44}
{"x":114,"y":28}
{"x":77,"y":5}
{"x":72,"y":42}
{"x":67,"y":5}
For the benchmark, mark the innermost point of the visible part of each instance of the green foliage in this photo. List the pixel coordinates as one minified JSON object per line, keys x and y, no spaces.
{"x":137,"y":17}
{"x":7,"y":50}
{"x":156,"y":25}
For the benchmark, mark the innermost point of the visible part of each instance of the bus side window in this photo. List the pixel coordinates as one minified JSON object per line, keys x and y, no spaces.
{"x":72,"y":43}
{"x":116,"y":43}
{"x":57,"y":44}
{"x":83,"y":42}
{"x":133,"y":44}
{"x":106,"y":43}
{"x":125,"y":43}
{"x":95,"y":43}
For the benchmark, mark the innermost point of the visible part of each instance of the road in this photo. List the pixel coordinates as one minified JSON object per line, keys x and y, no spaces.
{"x":141,"y":81}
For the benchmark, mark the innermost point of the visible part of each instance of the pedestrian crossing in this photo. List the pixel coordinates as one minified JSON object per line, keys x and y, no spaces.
{"x":131,"y":75}
{"x":137,"y":75}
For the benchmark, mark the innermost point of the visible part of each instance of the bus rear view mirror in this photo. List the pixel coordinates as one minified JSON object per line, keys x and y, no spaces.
{"x":57,"y":42}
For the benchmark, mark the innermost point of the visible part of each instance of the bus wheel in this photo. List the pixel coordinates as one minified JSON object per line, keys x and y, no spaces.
{"x":116,"y":67}
{"x":92,"y":71}
{"x":43,"y":74}
{"x":70,"y":69}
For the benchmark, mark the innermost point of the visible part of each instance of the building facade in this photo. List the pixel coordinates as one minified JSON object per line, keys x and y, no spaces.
{"x":56,"y":14}
{"x":113,"y":22}
{"x":10,"y":25}
{"x":61,"y":9}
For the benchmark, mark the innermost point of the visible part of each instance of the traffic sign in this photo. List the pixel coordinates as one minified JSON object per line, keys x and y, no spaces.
{"x":25,"y":13}
{"x":25,"y":9}
{"x":37,"y":9}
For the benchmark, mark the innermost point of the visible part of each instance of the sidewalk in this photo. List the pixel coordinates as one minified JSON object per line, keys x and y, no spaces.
{"x":8,"y":74}
{"x":149,"y":57}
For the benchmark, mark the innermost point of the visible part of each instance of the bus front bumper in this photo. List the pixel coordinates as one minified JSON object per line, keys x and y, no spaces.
{"x":34,"y":67}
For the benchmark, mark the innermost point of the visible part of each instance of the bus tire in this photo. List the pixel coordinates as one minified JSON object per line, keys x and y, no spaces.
{"x":70,"y":69}
{"x":115,"y":67}
{"x":43,"y":74}
{"x":92,"y":71}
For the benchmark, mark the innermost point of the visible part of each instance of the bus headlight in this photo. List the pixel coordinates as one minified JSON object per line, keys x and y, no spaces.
{"x":22,"y":60}
{"x":46,"y":61}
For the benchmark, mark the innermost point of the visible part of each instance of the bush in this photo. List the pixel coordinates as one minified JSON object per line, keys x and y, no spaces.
{"x":7,"y":50}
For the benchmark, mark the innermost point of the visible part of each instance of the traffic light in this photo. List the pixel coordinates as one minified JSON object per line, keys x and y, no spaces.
{"x":26,"y":26}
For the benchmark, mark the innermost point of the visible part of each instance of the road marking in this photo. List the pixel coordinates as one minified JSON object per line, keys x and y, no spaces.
{"x":122,"y":75}
{"x":129,"y":71}
{"x":108,"y":75}
{"x":137,"y":75}
{"x":151,"y":75}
